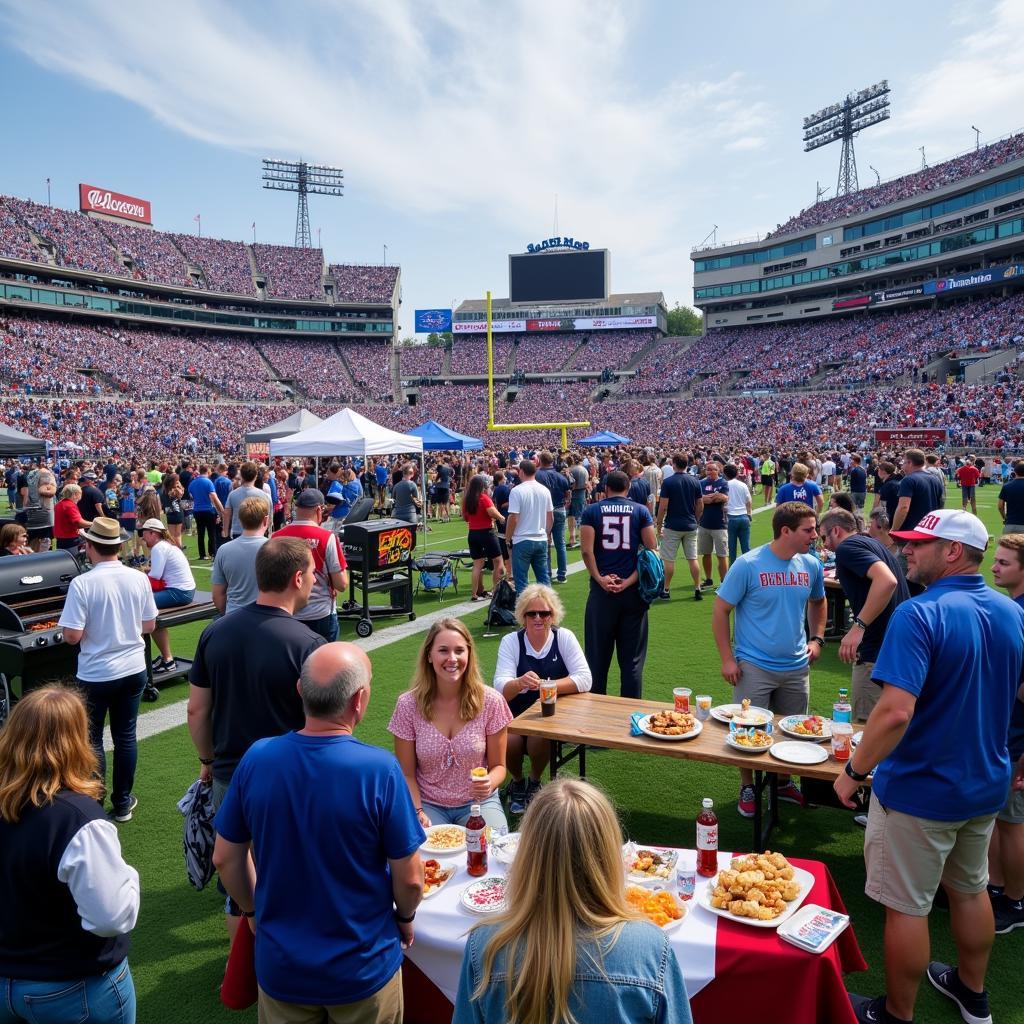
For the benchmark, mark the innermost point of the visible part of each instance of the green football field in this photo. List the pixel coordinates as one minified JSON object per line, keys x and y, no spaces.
{"x":179,"y":946}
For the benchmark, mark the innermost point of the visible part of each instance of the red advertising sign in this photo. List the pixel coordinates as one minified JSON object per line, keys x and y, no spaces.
{"x":854,"y":303}
{"x":547,"y":325}
{"x":913,"y":437}
{"x":114,"y":204}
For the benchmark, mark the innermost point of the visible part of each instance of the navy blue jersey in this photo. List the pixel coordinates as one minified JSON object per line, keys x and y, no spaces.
{"x":617,"y":523}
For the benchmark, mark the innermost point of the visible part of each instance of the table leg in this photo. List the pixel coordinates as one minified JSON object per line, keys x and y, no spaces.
{"x":583,"y":762}
{"x":560,"y":760}
{"x":556,"y":758}
{"x":764,"y":822}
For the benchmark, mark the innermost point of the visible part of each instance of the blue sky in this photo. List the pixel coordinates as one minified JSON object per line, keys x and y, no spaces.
{"x":457,"y":123}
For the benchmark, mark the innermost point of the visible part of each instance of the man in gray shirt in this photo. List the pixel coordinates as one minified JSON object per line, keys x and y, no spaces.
{"x":233,"y":580}
{"x":232,"y":527}
{"x":407,"y":496}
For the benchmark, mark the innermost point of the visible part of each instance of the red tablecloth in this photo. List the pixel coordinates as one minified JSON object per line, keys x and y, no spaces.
{"x":788,"y":985}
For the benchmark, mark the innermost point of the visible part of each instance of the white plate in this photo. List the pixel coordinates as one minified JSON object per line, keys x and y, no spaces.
{"x":488,"y":882}
{"x":733,"y":713}
{"x":672,"y":925}
{"x":695,"y":731}
{"x":799,"y":752}
{"x":433,"y":851}
{"x":670,"y":857}
{"x":449,"y":874}
{"x":730,"y":740}
{"x":504,"y":848}
{"x":786,"y":725}
{"x":805,"y":878}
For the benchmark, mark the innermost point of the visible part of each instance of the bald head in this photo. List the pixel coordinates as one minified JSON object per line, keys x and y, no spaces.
{"x":331,"y":676}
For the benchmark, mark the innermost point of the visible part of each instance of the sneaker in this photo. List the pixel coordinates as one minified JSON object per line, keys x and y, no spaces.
{"x":560,"y":579}
{"x":745,"y":804}
{"x":665,"y":595}
{"x":697,"y":595}
{"x":708,"y":584}
{"x":516,"y":796}
{"x":532,"y":789}
{"x":973,"y":1005}
{"x":165,"y":666}
{"x":1009,"y":915}
{"x":870,"y":1011}
{"x":126,"y":814}
{"x":861,"y":819}
{"x":790,"y":794}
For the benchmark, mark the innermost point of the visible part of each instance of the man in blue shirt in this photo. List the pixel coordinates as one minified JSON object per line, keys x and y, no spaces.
{"x":381,"y":475}
{"x":950,"y":667}
{"x":680,"y":505}
{"x":800,"y":488}
{"x":1011,"y":501}
{"x":561,"y":489}
{"x":339,"y":876}
{"x":611,"y":533}
{"x":772,"y":588}
{"x":712,"y":533}
{"x":858,"y":482}
{"x":207,"y":508}
{"x":920,"y":492}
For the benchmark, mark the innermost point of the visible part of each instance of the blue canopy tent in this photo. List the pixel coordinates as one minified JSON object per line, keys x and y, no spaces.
{"x":603,"y":438}
{"x":440,"y":439}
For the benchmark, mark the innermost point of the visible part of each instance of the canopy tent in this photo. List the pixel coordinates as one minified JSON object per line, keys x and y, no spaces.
{"x":442,"y":439}
{"x":301,"y":420}
{"x":603,"y":437}
{"x":14,"y":442}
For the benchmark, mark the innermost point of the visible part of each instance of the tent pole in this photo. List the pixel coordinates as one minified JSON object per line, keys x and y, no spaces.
{"x":423,"y":492}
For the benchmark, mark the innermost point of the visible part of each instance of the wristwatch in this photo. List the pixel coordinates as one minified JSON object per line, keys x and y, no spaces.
{"x":820,"y":640}
{"x":858,"y":621}
{"x":405,"y":920}
{"x":855,"y":775}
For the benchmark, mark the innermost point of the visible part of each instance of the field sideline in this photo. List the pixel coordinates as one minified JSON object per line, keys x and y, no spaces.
{"x":179,"y":946}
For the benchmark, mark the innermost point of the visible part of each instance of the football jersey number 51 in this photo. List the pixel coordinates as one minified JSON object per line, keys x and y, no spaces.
{"x":615,"y":533}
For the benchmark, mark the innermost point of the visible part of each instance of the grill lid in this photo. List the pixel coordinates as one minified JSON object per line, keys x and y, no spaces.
{"x":26,"y":579}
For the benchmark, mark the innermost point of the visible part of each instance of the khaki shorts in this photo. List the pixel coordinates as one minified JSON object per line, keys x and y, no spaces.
{"x":907,"y":857}
{"x":385,"y":1006}
{"x":785,"y":693}
{"x":865,"y":692}
{"x":716,"y":541}
{"x":670,"y":544}
{"x":1013,"y":810}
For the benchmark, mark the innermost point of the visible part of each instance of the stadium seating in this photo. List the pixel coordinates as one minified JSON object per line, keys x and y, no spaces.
{"x":77,"y":240}
{"x":315,"y":369}
{"x":292,"y":273}
{"x":544,"y":353}
{"x":421,"y":361}
{"x":154,"y":255}
{"x":469,"y":355}
{"x":610,"y":349}
{"x":15,"y":238}
{"x":355,"y":283}
{"x":370,"y":365}
{"x":225,"y":265}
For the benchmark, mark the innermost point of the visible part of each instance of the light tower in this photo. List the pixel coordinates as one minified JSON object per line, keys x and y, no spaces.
{"x":298,"y":176}
{"x":842,"y":121}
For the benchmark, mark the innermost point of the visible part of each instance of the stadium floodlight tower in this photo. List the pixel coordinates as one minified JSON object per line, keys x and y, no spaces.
{"x":298,"y":176}
{"x":841,"y":121}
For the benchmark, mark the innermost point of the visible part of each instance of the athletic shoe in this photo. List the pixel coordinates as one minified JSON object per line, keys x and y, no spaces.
{"x":560,"y":579}
{"x":532,"y":789}
{"x":861,"y":819}
{"x":126,"y":815}
{"x":707,"y":585}
{"x":872,"y":1011}
{"x":973,"y":1005}
{"x":697,"y":595}
{"x":791,"y":794}
{"x":516,"y":796}
{"x":665,"y":595}
{"x":745,"y":804}
{"x":165,"y":666}
{"x":1009,"y":915}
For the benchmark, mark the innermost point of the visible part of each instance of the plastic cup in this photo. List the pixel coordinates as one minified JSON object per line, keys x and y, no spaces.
{"x":477,"y":774}
{"x":703,"y":706}
{"x":842,"y":740}
{"x":686,"y":883}
{"x":681,"y":696}
{"x":548,"y":698}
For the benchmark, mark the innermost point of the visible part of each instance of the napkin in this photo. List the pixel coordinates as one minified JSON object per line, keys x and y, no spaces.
{"x":634,"y":723}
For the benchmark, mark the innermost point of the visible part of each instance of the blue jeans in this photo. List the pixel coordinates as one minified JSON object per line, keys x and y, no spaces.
{"x":489,"y":808}
{"x":739,"y":530}
{"x":121,"y":698}
{"x":172,"y":597}
{"x":327,"y":627}
{"x":100,"y":999}
{"x":527,"y":554}
{"x":558,"y":539}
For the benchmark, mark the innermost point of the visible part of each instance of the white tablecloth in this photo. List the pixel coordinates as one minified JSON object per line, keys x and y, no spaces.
{"x":442,"y":924}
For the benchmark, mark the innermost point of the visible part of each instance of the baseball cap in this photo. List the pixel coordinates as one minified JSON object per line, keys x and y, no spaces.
{"x":154,"y":524}
{"x":948,"y":524}
{"x":88,"y":476}
{"x":310,"y":498}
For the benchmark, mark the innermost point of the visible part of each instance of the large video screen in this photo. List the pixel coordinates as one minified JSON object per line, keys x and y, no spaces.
{"x":558,"y":276}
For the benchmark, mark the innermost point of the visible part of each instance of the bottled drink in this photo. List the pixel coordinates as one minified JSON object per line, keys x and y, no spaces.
{"x":707,"y":840}
{"x":476,"y":842}
{"x":842,"y":710}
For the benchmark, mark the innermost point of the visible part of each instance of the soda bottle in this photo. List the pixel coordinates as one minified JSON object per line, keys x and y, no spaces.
{"x":707,"y":840}
{"x":476,"y":842}
{"x":842,"y":710}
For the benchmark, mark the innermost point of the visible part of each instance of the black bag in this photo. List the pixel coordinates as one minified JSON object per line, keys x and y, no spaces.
{"x":502,"y":609}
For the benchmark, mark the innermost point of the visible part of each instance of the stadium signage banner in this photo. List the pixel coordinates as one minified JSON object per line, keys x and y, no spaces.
{"x":917,"y":437}
{"x":101,"y":200}
{"x":558,"y":243}
{"x":580,"y":323}
{"x":855,"y":303}
{"x":497,"y":327}
{"x":429,"y":320}
{"x":894,"y":294}
{"x":976,"y":279}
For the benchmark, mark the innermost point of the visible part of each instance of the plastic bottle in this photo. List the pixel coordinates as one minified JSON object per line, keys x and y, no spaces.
{"x":707,"y":840}
{"x":476,"y":842}
{"x":842,"y":710}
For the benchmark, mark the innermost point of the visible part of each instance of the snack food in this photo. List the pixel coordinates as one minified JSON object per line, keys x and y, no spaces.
{"x":479,"y":773}
{"x":813,"y":725}
{"x":671,"y":723}
{"x":434,"y":876}
{"x":751,"y":738}
{"x":653,"y":863}
{"x":757,"y":886}
{"x":445,"y":837}
{"x":661,"y":907}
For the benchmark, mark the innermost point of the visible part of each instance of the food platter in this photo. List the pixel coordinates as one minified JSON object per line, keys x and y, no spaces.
{"x":435,"y":877}
{"x":804,"y":879}
{"x":744,"y":748}
{"x":791,"y":725}
{"x":504,"y":848}
{"x":485,"y":895}
{"x":662,"y":908}
{"x":734,"y":713}
{"x":441,"y":840}
{"x":799,"y":752}
{"x":644,"y":726}
{"x":645,"y":865}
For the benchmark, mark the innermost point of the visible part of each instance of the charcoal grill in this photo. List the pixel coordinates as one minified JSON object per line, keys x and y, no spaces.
{"x":379,"y":556}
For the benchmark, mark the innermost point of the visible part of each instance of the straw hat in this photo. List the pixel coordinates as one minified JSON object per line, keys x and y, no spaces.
{"x":105,"y":532}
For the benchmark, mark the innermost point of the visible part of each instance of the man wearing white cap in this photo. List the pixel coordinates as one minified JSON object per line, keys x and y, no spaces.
{"x":949,"y":667}
{"x":172,"y":581}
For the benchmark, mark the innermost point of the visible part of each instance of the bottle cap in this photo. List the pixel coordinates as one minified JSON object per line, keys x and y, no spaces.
{"x":474,"y":809}
{"x":707,"y":802}
{"x":843,"y":691}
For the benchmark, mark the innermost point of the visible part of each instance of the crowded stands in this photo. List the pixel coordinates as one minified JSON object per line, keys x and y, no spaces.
{"x":154,"y":256}
{"x":544,"y":353}
{"x":291,"y":273}
{"x":314,"y":368}
{"x":610,"y":349}
{"x":421,"y":361}
{"x":225,"y":265}
{"x":77,"y":241}
{"x":370,"y":366}
{"x":355,"y":283}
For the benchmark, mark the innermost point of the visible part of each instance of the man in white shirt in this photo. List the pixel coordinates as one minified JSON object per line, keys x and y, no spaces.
{"x":174,"y":584}
{"x":738,"y":512}
{"x":828,"y":473}
{"x":107,"y":611}
{"x":528,"y":526}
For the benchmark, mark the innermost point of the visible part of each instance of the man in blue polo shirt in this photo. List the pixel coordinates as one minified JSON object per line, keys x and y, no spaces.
{"x":950,"y":667}
{"x":680,"y":505}
{"x":712,"y":534}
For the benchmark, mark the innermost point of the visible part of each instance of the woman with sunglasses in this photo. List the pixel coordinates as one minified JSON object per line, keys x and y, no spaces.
{"x":448,"y":723}
{"x":538,"y":651}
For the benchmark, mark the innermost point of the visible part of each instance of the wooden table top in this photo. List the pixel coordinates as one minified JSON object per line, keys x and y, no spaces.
{"x":601,"y":720}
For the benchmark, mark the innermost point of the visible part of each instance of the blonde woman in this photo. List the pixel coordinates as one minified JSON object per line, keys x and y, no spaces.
{"x":569,"y":948}
{"x":446,"y":725}
{"x":540,"y":649}
{"x":69,"y":900}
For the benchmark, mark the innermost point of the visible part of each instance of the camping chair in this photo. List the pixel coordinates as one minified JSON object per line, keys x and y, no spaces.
{"x":436,"y":572}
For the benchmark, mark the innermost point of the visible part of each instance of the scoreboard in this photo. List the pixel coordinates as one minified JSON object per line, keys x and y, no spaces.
{"x":560,"y":276}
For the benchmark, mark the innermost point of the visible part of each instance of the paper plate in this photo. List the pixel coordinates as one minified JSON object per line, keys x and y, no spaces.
{"x":734,"y":713}
{"x":787,"y":725}
{"x":447,"y":850}
{"x":799,"y":752}
{"x":743,"y":749}
{"x":642,"y":724}
{"x":805,"y":878}
{"x":485,"y":896}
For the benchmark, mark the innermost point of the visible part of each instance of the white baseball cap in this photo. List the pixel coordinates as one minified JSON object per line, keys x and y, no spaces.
{"x":155,"y":525}
{"x":948,"y":524}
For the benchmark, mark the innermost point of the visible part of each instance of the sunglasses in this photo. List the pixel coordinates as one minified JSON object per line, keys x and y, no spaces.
{"x":546,"y":614}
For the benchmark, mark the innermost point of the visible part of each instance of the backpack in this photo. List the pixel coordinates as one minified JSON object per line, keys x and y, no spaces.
{"x":651,"y":573}
{"x":502,"y":609}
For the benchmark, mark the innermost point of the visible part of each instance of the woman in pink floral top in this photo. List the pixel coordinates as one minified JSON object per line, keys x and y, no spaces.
{"x":447,"y":724}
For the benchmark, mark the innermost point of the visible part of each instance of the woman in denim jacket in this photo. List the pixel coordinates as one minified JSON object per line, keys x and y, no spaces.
{"x":569,"y":948}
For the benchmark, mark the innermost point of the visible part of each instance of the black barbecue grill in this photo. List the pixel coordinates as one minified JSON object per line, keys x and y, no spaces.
{"x":32,"y":593}
{"x":379,"y":556}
